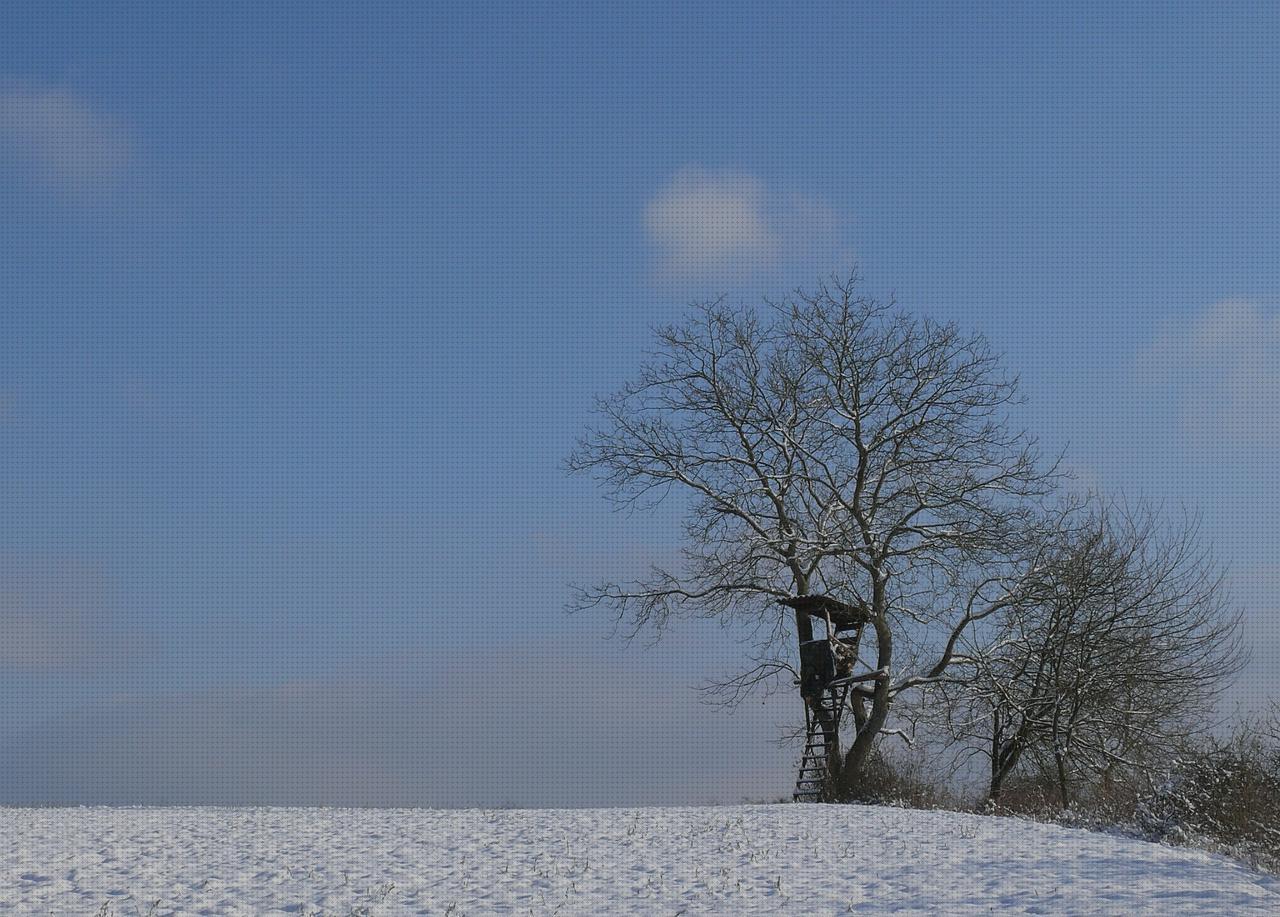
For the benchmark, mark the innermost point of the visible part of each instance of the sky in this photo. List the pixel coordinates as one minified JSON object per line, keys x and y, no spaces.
{"x":302,"y":308}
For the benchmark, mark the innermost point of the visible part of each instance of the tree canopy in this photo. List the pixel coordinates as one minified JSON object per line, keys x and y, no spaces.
{"x":827,"y":443}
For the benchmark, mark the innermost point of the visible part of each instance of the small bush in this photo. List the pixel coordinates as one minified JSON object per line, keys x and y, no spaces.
{"x":903,"y":781}
{"x":1033,"y":795}
{"x":1221,"y":795}
{"x":1224,"y":795}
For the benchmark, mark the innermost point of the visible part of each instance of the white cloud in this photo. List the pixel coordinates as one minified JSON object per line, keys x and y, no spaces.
{"x":61,"y":139}
{"x":1224,"y":368}
{"x":724,"y":226}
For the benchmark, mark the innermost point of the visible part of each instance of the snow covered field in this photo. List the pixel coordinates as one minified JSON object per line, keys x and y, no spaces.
{"x":781,"y":859}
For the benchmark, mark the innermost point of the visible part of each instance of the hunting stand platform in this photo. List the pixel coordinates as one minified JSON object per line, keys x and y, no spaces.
{"x":826,"y":678}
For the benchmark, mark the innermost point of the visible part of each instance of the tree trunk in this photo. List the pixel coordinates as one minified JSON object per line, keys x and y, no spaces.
{"x":1005,"y":755}
{"x":1063,"y":784}
{"x":1001,"y":767}
{"x":997,"y":772}
{"x":995,"y":788}
{"x":851,"y":785}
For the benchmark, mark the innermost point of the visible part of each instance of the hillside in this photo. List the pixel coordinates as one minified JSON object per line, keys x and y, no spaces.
{"x":784,"y":859}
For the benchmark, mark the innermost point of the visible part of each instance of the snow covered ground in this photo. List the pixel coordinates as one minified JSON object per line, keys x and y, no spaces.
{"x":784,"y":859}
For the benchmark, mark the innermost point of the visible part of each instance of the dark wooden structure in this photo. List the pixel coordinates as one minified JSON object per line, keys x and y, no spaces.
{"x":826,"y":677}
{"x":841,"y":614}
{"x":818,"y":666}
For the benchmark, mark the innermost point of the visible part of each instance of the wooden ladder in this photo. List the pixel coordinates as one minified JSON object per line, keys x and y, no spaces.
{"x":820,"y":735}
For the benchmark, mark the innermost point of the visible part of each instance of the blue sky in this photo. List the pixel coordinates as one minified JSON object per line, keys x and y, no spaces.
{"x":302,"y":309}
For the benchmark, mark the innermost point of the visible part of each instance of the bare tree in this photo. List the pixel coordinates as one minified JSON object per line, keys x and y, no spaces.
{"x":1115,"y":651}
{"x":828,"y":444}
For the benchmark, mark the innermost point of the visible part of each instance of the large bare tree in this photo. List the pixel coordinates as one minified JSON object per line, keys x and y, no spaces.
{"x":1118,"y":646}
{"x":826,"y":444}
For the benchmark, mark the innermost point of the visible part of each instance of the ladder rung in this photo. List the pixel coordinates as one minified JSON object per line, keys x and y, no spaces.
{"x":822,"y":727}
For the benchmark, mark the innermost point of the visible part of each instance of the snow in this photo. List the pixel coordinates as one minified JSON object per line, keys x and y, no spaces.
{"x":781,"y":859}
